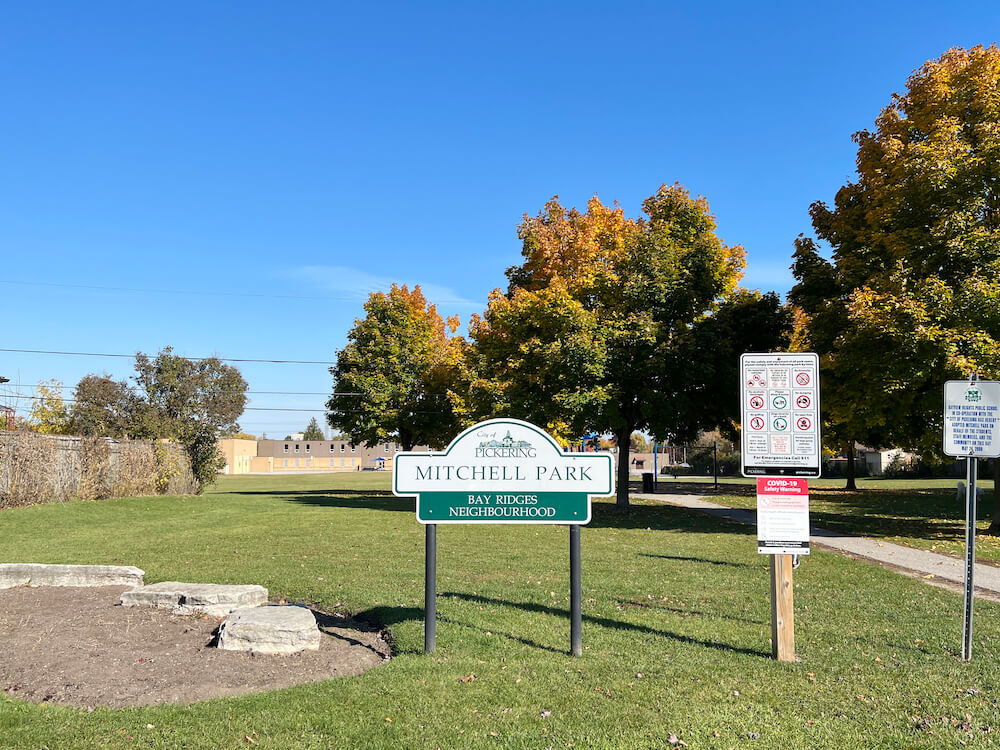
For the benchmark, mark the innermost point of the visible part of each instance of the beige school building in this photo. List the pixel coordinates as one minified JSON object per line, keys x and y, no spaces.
{"x":275,"y":456}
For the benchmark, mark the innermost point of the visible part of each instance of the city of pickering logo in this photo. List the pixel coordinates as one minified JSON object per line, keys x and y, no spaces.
{"x":506,"y":448}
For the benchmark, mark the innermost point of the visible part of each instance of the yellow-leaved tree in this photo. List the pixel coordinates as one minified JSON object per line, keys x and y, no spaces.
{"x":910,"y":293}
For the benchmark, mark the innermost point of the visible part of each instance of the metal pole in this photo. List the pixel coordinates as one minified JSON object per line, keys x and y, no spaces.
{"x":970,"y":554}
{"x":656,"y":469}
{"x":715,"y":462}
{"x":430,"y":589}
{"x":575,"y":592}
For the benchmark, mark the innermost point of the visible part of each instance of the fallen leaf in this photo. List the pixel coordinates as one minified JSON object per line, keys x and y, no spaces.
{"x":250,"y":739}
{"x":675,"y":741}
{"x":468,"y":678}
{"x":546,"y":714}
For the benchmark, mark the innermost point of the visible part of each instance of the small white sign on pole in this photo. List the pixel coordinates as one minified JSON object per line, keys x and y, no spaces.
{"x":783,"y":516}
{"x":972,"y":418}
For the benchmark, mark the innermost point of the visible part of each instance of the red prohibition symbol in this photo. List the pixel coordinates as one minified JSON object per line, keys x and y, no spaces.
{"x":803,"y":423}
{"x":757,"y":423}
{"x":802,"y":378}
{"x":803,"y":402}
{"x":756,"y":402}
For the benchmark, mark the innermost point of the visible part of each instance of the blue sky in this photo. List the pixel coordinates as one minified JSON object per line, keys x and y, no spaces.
{"x":236,"y":177}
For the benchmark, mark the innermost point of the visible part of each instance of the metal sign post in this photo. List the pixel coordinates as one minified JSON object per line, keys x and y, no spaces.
{"x":503,"y":471}
{"x":971,"y":431}
{"x":430,"y":588}
{"x":971,"y":469}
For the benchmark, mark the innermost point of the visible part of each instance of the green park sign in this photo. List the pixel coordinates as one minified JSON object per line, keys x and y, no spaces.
{"x":503,"y":471}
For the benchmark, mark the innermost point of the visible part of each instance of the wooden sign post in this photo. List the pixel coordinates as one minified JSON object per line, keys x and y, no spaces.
{"x":781,"y":446}
{"x":782,"y":533}
{"x":782,"y":609}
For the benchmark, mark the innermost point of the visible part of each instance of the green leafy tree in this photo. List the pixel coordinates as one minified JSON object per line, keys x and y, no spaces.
{"x":399,"y":375}
{"x":49,"y":414}
{"x":598,"y":323}
{"x":910,"y":295}
{"x":102,"y":407}
{"x":312,"y":431}
{"x":192,"y":401}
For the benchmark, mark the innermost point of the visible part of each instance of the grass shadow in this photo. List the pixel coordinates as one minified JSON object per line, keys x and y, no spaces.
{"x":697,"y":560}
{"x":605,"y":622}
{"x":384,"y":617}
{"x":661,"y":518}
{"x":364,"y":501}
{"x":329,"y":491}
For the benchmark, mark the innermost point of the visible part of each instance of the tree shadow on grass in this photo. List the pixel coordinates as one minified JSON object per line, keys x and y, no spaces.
{"x":344,"y":492}
{"x":662,"y":518}
{"x":697,"y":560}
{"x":680,"y":487}
{"x":365,"y":501}
{"x":604,"y":622}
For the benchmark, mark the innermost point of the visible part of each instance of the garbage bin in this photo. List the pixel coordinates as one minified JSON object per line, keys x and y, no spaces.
{"x":647,"y":481}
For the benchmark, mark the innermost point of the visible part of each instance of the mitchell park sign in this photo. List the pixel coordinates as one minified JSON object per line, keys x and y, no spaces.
{"x":503,"y":471}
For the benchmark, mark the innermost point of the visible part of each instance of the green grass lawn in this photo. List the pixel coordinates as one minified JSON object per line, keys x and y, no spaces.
{"x":676,"y":630}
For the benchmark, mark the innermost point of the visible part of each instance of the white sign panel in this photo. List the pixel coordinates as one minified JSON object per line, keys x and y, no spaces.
{"x":783,"y":516}
{"x":971,"y":414}
{"x":779,"y":395}
{"x":503,"y":471}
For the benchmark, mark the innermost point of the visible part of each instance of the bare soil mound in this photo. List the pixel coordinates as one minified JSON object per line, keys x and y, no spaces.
{"x":78,"y":646}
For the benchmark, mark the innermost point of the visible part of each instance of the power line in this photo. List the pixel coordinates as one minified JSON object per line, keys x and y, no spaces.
{"x":246,"y":408}
{"x":251,"y":393}
{"x":192,"y":359}
{"x":192,"y":292}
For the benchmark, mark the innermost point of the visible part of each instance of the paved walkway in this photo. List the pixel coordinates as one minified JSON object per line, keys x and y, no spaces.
{"x":931,"y":567}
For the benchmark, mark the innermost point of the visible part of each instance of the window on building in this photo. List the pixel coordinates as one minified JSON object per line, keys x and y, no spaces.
{"x":286,"y":447}
{"x":286,"y":463}
{"x":331,"y":447}
{"x":386,"y":448}
{"x":307,"y":447}
{"x":331,"y":463}
{"x":352,"y":451}
{"x":341,"y":447}
{"x":296,"y":447}
{"x":309,"y":462}
{"x":296,"y":463}
{"x":342,"y":463}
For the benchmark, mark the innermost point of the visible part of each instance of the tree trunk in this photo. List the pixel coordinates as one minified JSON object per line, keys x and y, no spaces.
{"x":623,"y":437}
{"x":851,"y":484}
{"x":994,"y":529}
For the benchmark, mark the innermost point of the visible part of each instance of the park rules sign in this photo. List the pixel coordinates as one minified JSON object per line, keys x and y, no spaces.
{"x":503,"y":471}
{"x":779,"y":396}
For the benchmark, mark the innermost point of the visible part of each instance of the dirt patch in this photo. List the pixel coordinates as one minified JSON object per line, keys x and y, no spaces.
{"x":78,"y":646}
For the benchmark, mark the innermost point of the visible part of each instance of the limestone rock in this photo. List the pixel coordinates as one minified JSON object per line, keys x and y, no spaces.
{"x":35,"y":574}
{"x":213,"y":599}
{"x":270,"y":630}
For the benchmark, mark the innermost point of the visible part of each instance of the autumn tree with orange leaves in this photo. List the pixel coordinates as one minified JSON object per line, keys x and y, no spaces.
{"x":599,"y":329}
{"x":396,"y":378}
